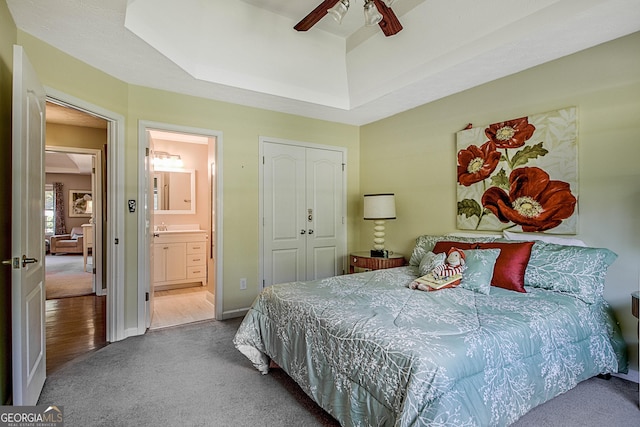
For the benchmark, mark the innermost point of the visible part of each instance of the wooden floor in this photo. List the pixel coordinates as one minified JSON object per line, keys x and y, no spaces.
{"x":74,"y":327}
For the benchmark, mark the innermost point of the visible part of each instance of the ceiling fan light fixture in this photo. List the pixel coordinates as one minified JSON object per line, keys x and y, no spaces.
{"x":338,"y":11}
{"x":371,"y":14}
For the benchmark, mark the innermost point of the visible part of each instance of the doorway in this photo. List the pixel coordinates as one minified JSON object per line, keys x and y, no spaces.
{"x":179,"y":192}
{"x":75,"y":308}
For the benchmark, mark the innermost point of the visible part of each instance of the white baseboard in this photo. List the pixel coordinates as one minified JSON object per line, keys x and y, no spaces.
{"x":632,"y":375}
{"x":132,"y":332}
{"x":232,"y":314}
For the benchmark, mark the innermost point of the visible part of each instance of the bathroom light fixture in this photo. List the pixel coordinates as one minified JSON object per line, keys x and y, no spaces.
{"x":379,"y":207}
{"x":163,"y":159}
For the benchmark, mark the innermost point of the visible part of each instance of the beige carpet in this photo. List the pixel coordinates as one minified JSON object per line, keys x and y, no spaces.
{"x":64,"y":277}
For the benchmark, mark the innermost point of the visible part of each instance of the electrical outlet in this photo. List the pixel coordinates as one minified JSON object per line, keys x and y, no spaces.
{"x":243,"y":283}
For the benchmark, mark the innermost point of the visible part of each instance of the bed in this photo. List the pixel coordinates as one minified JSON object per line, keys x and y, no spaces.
{"x":373,"y":352}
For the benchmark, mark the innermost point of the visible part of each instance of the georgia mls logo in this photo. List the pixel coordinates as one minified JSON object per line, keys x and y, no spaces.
{"x":31,"y":416}
{"x":55,"y":414}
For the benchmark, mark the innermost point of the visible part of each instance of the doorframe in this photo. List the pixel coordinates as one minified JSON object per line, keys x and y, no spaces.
{"x":98,"y":202}
{"x":144,"y":237}
{"x":115,"y":236}
{"x":266,"y":140}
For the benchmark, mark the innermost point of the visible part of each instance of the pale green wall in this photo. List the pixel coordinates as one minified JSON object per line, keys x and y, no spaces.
{"x":413,"y":154}
{"x":7,"y":39}
{"x":241,"y":128}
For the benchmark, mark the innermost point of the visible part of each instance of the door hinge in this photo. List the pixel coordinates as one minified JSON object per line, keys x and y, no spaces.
{"x":117,"y":241}
{"x":94,"y":270}
{"x":343,"y":167}
{"x":146,"y":296}
{"x":146,"y":152}
{"x":263,"y":160}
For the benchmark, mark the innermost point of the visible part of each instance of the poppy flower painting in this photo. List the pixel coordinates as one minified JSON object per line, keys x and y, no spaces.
{"x":519,"y":174}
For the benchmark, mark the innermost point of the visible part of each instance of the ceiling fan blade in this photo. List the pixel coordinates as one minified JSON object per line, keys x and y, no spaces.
{"x":390,"y":24}
{"x":315,"y":15}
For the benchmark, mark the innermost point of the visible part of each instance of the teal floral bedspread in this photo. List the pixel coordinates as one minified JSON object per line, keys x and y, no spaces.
{"x":373,"y":352}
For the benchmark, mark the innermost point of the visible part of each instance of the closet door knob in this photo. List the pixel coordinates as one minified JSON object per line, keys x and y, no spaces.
{"x":310,"y":231}
{"x":303,"y":231}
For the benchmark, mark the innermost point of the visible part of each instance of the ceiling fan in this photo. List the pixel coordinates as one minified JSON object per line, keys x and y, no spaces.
{"x":375,"y":12}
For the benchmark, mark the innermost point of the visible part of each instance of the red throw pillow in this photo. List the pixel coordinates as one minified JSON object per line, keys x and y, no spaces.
{"x":508,"y":273}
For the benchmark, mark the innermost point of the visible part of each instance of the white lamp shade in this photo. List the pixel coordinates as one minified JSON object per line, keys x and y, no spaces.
{"x":380,"y":206}
{"x":89,"y":208}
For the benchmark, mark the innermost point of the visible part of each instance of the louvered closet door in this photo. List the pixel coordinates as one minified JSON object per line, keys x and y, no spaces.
{"x":303,"y":224}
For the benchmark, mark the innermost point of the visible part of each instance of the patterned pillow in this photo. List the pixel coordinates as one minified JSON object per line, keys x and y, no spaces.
{"x":511,"y":265}
{"x":574,"y":270}
{"x":480,"y":263}
{"x":425,"y":243}
{"x":430,"y":261}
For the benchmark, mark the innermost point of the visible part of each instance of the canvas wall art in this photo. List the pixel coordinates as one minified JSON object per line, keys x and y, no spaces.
{"x":520,"y":174}
{"x":78,"y":203}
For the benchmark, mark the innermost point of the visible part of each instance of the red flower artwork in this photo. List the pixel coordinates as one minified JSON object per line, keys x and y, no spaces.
{"x":534,"y":201}
{"x":476,"y":164}
{"x":510,"y":134}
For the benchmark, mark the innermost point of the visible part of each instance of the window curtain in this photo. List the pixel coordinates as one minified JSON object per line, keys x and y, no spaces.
{"x":58,"y":206}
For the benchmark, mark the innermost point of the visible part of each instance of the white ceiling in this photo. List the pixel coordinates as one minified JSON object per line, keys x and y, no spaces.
{"x":68,"y":163}
{"x":246,"y":52}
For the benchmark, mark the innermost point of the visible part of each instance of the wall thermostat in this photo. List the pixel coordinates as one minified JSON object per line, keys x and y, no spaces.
{"x":132,"y":205}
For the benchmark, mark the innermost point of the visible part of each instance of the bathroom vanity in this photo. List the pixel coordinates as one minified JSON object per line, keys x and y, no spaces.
{"x":179,"y":258}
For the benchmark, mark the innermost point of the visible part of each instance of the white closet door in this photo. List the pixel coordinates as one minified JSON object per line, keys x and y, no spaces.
{"x":324,"y":199}
{"x":284,"y":225}
{"x":303,"y":213}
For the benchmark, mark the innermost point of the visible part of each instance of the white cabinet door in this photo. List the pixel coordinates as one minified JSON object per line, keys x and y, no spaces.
{"x":169,"y":261}
{"x":303,"y":230}
{"x":159,"y":262}
{"x":176,"y":265}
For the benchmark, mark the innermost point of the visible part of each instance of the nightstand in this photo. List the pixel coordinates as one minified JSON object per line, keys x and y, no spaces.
{"x":365,"y":260}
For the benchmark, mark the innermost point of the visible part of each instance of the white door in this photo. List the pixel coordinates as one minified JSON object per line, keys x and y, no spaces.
{"x":285,"y":223}
{"x":303,"y":230}
{"x":325,"y":228}
{"x":27,"y":233}
{"x":150,"y":201}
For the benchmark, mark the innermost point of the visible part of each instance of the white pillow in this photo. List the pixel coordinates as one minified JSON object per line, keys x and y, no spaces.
{"x":510,"y":235}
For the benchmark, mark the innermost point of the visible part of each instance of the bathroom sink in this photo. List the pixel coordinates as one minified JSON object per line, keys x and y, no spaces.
{"x":180,"y":228}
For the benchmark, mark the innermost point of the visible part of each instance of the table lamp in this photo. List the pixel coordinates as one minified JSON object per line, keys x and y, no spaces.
{"x":379,"y":207}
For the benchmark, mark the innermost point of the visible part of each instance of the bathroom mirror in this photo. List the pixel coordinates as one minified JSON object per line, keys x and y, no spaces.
{"x":174,"y":191}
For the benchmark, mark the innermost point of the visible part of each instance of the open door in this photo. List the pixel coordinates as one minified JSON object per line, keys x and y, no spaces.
{"x":27,"y":232}
{"x":150,"y":201}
